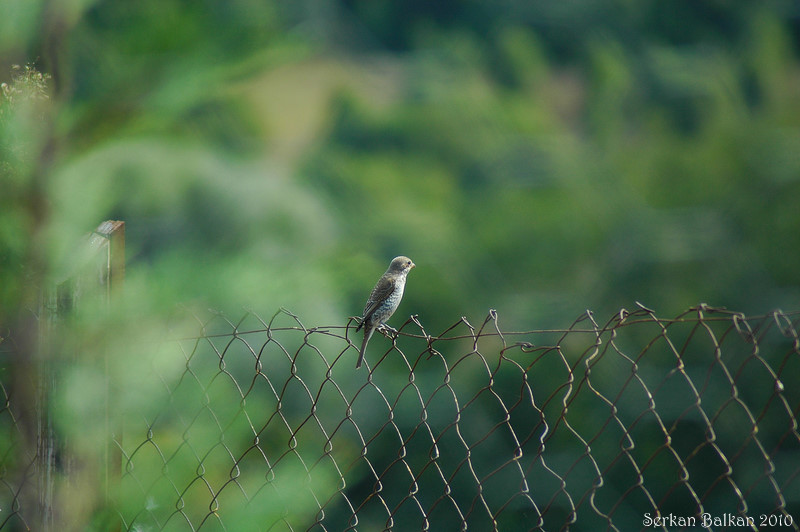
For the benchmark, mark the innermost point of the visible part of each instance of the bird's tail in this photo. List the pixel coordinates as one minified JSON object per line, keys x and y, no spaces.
{"x":367,"y":335}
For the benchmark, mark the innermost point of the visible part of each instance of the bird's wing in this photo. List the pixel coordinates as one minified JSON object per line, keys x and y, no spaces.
{"x":379,"y":294}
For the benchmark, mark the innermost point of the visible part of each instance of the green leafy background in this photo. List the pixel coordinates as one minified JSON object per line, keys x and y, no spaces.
{"x":540,"y":158}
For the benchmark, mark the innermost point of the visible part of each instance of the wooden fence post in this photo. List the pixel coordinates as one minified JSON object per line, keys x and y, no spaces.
{"x":114,"y":234}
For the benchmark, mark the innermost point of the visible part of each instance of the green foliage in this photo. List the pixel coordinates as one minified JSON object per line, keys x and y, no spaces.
{"x":27,"y":83}
{"x":631,"y":176}
{"x":539,"y":158}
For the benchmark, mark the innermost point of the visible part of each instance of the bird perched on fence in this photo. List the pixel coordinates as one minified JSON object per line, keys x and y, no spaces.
{"x":384,"y":299}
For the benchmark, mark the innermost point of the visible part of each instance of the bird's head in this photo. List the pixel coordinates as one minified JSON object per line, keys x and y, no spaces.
{"x":401,"y":264}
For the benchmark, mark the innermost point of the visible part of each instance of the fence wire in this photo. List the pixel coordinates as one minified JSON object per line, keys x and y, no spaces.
{"x":636,"y":423}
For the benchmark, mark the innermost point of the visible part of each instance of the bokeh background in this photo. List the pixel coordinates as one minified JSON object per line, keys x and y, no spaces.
{"x":539,"y":158}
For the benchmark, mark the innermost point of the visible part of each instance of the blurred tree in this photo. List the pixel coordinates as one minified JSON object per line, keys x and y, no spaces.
{"x":608,"y":164}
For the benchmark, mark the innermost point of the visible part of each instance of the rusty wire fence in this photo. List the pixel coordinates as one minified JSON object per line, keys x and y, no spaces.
{"x":638,"y":422}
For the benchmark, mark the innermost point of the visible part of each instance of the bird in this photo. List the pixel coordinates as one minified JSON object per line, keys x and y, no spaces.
{"x":384,"y":300}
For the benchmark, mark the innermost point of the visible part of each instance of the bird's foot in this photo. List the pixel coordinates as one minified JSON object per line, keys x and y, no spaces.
{"x":386,"y":330}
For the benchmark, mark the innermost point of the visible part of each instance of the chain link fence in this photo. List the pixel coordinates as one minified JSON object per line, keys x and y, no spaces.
{"x":639,"y":422}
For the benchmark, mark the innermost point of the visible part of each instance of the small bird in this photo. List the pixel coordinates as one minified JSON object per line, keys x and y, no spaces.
{"x":384,"y":300}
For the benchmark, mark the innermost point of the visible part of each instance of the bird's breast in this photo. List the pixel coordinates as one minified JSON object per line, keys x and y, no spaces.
{"x":395,"y":297}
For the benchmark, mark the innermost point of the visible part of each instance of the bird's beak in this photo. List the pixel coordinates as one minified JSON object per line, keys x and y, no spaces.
{"x":413,"y":265}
